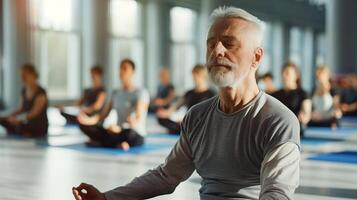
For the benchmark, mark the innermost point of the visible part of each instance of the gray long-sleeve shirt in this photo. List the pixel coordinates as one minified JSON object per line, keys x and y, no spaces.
{"x":249,"y":154}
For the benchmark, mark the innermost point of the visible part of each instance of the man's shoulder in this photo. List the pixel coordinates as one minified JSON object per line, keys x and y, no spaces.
{"x":273,"y":108}
{"x":201,"y":109}
{"x":199,"y":112}
{"x":279,"y":124}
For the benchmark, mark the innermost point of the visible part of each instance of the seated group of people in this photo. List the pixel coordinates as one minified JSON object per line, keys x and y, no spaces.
{"x":323,"y":108}
{"x":130,"y":103}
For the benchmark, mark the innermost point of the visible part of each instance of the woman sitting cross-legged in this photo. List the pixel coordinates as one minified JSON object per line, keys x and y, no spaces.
{"x":131,"y":105}
{"x":30,"y":118}
{"x":91,"y":101}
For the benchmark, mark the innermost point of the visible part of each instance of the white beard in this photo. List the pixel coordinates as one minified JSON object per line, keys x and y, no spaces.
{"x":223,"y":79}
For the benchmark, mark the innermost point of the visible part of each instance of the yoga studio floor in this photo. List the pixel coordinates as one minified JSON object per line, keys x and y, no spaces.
{"x":46,"y":170}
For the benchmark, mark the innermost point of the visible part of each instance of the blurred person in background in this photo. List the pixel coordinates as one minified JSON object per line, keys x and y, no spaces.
{"x":131,"y":104}
{"x":30,"y":118}
{"x":200,"y":93}
{"x":92,"y":99}
{"x":266,"y":83}
{"x":325,"y":101}
{"x":349,"y":96}
{"x":165,"y":92}
{"x":293,"y":96}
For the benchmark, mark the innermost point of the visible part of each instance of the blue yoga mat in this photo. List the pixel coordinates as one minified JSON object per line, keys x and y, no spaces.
{"x":113,"y":151}
{"x":318,"y":140}
{"x":341,"y":157}
{"x":329,"y":130}
{"x":349,"y":119}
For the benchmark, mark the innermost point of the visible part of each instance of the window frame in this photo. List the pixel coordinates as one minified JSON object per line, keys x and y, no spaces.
{"x":37,"y":51}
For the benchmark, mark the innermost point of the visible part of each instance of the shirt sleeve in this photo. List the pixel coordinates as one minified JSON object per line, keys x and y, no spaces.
{"x":163,"y":180}
{"x":280,"y":172}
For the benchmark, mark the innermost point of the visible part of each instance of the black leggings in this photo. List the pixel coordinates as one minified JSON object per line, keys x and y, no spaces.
{"x":173,"y":127}
{"x":71,"y":119}
{"x":33,"y":130}
{"x":106,"y":138}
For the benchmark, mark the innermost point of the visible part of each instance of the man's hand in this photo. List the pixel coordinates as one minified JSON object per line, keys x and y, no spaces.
{"x":87,"y":192}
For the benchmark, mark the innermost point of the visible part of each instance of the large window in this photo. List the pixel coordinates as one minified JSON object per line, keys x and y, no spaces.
{"x":55,"y":45}
{"x":301,"y":52}
{"x":296,"y":45}
{"x":183,"y":49}
{"x":125,"y":38}
{"x":321,"y":49}
{"x":267,"y":62}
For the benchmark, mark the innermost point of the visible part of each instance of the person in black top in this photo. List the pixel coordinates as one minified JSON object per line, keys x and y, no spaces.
{"x":165,"y":92}
{"x":30,"y":118}
{"x":349,"y":96}
{"x":267,"y":81}
{"x":92,"y":100}
{"x":200,"y":93}
{"x":293,"y":96}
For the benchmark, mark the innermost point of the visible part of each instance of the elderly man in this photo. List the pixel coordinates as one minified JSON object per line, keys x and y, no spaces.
{"x":243,"y":143}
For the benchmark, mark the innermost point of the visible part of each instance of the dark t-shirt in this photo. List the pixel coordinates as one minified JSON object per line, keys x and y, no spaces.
{"x":91,"y":95}
{"x":349,"y":96}
{"x":163,"y":91}
{"x":41,"y":119}
{"x":292,"y":99}
{"x":193,"y":97}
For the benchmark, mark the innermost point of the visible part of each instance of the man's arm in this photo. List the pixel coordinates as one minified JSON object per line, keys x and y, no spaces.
{"x":162,"y":180}
{"x":280,"y":172}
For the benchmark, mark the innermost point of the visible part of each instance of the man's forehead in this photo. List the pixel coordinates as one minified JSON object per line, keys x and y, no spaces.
{"x":228,"y":27}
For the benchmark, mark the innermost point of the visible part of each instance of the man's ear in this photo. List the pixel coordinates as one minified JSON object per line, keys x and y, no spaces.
{"x":258,"y":56}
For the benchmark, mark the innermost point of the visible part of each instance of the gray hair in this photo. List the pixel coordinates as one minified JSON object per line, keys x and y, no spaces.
{"x":232,"y":12}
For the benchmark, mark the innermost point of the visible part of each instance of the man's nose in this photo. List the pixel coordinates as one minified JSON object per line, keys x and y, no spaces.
{"x":219,"y":50}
